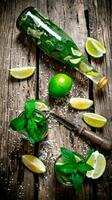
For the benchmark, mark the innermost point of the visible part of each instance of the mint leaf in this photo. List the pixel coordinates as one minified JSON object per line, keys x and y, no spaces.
{"x":39,"y":118}
{"x":66,"y":168}
{"x":89,"y":154}
{"x":29,"y":108}
{"x":83,"y":167}
{"x":32,"y":127}
{"x":77,"y":181}
{"x":68,"y":156}
{"x":18,"y":123}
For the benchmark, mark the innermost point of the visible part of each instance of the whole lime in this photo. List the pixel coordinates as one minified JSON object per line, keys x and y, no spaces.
{"x":60,"y":85}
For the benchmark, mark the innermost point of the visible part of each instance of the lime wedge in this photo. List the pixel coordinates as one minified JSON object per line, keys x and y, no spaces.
{"x":94,"y":48}
{"x":80,"y":103}
{"x":33,"y":164}
{"x":22,"y":72}
{"x":85,"y":67}
{"x":76,"y":53}
{"x":41,"y":105}
{"x":98,"y":162}
{"x":75,"y":61}
{"x":60,"y":161}
{"x":94,"y":120}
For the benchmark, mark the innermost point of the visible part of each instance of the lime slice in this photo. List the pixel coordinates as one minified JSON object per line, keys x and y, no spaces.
{"x":67,"y":58}
{"x":94,"y":120}
{"x":98,"y":162}
{"x":33,"y":164}
{"x":76,"y":52}
{"x":95,"y":48}
{"x":22,"y":72}
{"x":75,"y":61}
{"x":85,"y":67}
{"x":41,"y":105}
{"x":80,"y":103}
{"x":61,"y":161}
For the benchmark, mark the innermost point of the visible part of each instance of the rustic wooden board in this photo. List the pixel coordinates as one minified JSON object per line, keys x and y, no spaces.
{"x":16,"y":182}
{"x":69,"y":15}
{"x":100,"y":26}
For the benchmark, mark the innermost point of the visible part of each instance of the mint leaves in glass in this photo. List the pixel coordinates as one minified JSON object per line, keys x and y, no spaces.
{"x":32,"y":123}
{"x":70,"y":168}
{"x":56,"y":43}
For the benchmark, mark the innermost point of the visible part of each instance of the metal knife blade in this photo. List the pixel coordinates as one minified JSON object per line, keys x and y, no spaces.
{"x":69,"y":125}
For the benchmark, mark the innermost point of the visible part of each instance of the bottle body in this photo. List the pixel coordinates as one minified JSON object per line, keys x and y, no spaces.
{"x":55,"y":43}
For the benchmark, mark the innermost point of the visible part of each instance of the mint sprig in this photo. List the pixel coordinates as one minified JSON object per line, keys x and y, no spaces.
{"x":74,"y":167}
{"x":31,"y":122}
{"x":29,"y":107}
{"x":18,"y":123}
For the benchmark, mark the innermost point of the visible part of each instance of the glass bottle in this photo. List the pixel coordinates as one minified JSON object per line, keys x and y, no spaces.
{"x":53,"y":41}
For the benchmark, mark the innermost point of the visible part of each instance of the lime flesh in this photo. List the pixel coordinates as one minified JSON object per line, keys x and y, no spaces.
{"x":33,"y":164}
{"x":98,"y":162}
{"x":95,"y":48}
{"x":94,"y":120}
{"x":80,"y":103}
{"x":41,"y":105}
{"x":22,"y":72}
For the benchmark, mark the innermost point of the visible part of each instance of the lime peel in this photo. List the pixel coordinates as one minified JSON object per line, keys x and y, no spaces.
{"x":22,"y":72}
{"x":33,"y":164}
{"x":94,"y":48}
{"x":80,"y":103}
{"x":98,"y":162}
{"x":41,"y":106}
{"x":94,"y":120}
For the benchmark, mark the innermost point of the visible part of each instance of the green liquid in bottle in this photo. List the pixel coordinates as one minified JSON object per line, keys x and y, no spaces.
{"x":56,"y":43}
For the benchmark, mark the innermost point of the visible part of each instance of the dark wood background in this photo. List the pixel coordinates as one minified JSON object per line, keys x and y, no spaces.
{"x":79,"y":19}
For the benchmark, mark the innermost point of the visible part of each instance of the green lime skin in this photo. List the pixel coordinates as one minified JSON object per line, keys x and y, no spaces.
{"x":60,"y":85}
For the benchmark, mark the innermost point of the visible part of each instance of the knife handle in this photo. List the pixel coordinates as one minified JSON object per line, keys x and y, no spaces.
{"x":102,"y":142}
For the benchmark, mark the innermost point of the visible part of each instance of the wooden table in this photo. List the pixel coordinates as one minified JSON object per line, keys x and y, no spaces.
{"x":79,"y":19}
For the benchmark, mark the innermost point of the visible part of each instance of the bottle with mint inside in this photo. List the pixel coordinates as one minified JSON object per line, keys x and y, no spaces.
{"x":54,"y":42}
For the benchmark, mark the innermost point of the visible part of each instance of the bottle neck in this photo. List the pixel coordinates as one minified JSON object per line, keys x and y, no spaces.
{"x":87,"y":70}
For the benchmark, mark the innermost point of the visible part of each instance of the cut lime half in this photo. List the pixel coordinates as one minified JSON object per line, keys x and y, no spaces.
{"x":22,"y":72}
{"x":33,"y":164}
{"x":98,"y":162}
{"x":94,"y":120}
{"x":94,"y":48}
{"x":80,"y":103}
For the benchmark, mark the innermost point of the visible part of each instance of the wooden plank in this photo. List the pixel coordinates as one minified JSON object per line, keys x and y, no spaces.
{"x":100,"y":25}
{"x":69,"y":15}
{"x":16,"y":182}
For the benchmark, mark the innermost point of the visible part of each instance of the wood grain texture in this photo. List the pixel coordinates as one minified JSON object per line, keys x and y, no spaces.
{"x":69,"y":15}
{"x":16,"y":182}
{"x":100,"y":26}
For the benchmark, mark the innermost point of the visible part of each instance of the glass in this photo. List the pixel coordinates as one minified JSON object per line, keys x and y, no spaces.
{"x":62,"y":178}
{"x":56,"y":43}
{"x":41,"y":129}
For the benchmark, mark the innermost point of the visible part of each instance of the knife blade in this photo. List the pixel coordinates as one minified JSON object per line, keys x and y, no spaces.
{"x":95,"y":139}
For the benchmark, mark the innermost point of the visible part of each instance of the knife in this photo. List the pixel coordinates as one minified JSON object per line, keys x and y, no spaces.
{"x":82,"y":131}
